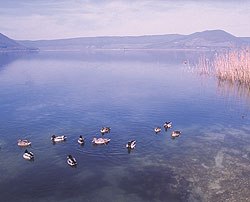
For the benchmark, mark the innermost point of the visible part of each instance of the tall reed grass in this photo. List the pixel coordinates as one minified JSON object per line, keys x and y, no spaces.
{"x":233,"y":66}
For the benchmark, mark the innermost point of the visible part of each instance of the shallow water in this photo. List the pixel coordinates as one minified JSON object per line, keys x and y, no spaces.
{"x":132,"y":92}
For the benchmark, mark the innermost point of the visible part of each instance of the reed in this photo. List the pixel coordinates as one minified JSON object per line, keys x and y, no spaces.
{"x":233,"y":66}
{"x":204,"y":66}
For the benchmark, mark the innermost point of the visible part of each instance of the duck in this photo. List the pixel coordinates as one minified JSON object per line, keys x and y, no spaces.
{"x":176,"y":133}
{"x":23,"y":143}
{"x":131,"y":144}
{"x":28,"y":155}
{"x":157,"y":129}
{"x":81,"y":140}
{"x":71,"y":160}
{"x":105,"y":130}
{"x":58,"y":138}
{"x":100,"y":140}
{"x":167,"y":124}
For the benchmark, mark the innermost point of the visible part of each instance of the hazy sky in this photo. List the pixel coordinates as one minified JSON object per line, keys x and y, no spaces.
{"x":50,"y":19}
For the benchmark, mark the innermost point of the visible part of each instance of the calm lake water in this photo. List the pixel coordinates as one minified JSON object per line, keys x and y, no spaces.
{"x":132,"y":92}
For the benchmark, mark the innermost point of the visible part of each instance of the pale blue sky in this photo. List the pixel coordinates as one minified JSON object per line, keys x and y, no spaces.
{"x":51,"y":19}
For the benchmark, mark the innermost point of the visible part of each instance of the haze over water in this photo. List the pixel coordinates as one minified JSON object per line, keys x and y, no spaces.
{"x":77,"y":93}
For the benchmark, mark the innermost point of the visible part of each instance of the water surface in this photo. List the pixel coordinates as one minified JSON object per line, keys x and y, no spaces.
{"x":76,"y":93}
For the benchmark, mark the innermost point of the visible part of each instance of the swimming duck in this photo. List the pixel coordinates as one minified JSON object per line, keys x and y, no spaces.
{"x":58,"y":138}
{"x":157,"y":129}
{"x":23,"y":143}
{"x":175,"y":133}
{"x":131,"y":144}
{"x":71,"y":160}
{"x":28,"y":155}
{"x":167,"y":124}
{"x":105,"y":130}
{"x":100,"y":140}
{"x":81,"y":140}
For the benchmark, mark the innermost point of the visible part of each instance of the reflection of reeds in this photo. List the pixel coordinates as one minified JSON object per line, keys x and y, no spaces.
{"x":229,"y":88}
{"x":233,"y":66}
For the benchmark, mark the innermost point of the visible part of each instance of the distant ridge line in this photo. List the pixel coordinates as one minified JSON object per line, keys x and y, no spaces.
{"x":205,"y":40}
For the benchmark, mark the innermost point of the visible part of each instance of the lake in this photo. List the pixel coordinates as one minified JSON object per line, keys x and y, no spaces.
{"x":77,"y":93}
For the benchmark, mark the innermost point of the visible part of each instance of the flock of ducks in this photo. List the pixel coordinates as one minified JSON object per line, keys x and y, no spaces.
{"x":97,"y":141}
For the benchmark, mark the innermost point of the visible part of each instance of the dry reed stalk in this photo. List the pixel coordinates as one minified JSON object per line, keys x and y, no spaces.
{"x":204,"y":66}
{"x":233,"y":66}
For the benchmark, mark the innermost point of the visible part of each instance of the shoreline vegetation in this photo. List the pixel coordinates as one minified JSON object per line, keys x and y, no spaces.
{"x":231,"y":66}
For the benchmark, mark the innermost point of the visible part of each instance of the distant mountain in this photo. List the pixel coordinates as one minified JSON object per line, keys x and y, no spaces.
{"x":9,"y":45}
{"x":206,"y":40}
{"x":246,"y":39}
{"x":106,"y":42}
{"x":211,"y":39}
